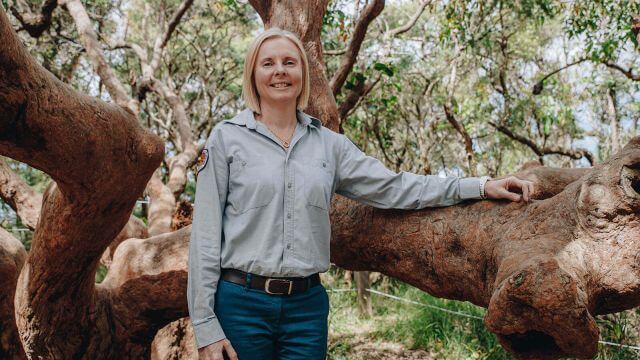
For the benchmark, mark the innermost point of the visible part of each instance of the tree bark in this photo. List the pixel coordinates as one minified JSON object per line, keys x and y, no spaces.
{"x":12,"y":256}
{"x":84,"y":145}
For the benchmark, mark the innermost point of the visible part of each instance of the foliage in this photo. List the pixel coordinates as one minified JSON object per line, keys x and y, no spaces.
{"x":606,"y":25}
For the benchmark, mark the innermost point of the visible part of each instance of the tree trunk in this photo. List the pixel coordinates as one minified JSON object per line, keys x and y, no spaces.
{"x":85,"y":145}
{"x":363,"y":283}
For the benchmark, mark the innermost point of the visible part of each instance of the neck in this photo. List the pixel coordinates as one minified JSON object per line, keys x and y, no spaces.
{"x":279,"y":116}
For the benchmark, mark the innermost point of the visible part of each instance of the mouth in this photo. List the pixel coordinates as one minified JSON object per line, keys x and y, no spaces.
{"x":280,"y":85}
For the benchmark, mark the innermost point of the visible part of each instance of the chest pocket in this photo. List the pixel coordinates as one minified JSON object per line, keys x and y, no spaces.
{"x":318,"y":180}
{"x":250,"y":185}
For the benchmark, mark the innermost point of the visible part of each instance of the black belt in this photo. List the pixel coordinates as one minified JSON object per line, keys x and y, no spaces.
{"x":272,"y":285}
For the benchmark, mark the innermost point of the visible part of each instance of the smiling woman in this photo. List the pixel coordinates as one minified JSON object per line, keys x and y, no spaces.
{"x":261,"y":230}
{"x":276,"y":60}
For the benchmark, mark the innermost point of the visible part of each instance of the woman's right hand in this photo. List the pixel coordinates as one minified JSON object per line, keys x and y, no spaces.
{"x":214,"y":351}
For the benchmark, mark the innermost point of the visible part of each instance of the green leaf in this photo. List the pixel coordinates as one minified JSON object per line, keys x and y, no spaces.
{"x":384,"y":68}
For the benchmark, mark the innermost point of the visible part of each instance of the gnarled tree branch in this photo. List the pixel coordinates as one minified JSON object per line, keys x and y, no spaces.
{"x":545,"y":150}
{"x":84,"y":145}
{"x":537,"y":88}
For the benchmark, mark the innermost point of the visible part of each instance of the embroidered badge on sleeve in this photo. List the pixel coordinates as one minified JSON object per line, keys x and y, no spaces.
{"x":203,"y":159}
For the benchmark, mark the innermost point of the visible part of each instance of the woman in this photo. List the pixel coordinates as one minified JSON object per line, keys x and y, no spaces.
{"x":261,"y":229}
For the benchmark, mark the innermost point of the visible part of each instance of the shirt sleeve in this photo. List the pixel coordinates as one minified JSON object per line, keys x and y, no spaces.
{"x":367,"y":180}
{"x":205,"y":242}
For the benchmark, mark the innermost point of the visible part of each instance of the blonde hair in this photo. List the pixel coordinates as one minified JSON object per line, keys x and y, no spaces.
{"x":249,"y":91}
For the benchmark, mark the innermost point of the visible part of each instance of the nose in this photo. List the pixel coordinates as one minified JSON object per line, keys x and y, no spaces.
{"x":280,"y":69}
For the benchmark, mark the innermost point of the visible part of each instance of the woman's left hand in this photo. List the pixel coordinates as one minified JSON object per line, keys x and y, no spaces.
{"x":510,"y":188}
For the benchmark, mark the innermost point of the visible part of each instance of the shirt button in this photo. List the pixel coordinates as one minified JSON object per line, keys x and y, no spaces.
{"x":288,"y":246}
{"x":324,"y":164}
{"x":289,"y":185}
{"x":289,"y":216}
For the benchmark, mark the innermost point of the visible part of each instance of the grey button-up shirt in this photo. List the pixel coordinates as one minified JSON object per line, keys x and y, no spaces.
{"x":263,"y":209}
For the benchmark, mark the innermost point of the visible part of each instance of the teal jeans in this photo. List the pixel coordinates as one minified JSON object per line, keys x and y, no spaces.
{"x":273,"y":327}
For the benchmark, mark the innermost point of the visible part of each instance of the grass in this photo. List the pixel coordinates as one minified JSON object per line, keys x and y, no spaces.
{"x":400,"y":330}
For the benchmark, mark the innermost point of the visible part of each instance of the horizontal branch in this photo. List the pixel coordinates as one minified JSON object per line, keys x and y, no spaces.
{"x":537,"y":88}
{"x":628,"y":73}
{"x":545,"y":150}
{"x":148,"y":282}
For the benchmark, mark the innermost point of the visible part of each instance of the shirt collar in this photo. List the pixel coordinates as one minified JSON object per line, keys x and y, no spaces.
{"x":246,"y":118}
{"x":306,"y":119}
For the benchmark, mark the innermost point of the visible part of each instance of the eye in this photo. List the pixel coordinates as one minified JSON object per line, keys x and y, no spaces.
{"x":267,"y":64}
{"x":290,"y":62}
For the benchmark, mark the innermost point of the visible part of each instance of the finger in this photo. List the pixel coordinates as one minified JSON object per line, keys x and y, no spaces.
{"x":531,"y":189}
{"x":525,"y":187}
{"x":230,"y":351}
{"x":525,"y":191}
{"x":505,"y":194}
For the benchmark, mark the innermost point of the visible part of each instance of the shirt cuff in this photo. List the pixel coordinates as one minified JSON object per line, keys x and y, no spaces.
{"x":208,"y":332}
{"x":472,"y":187}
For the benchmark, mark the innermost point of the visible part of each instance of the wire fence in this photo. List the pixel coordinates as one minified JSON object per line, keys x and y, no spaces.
{"x":462,"y":314}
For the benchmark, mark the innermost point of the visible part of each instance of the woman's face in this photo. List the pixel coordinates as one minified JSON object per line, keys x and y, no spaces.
{"x":278,"y":71}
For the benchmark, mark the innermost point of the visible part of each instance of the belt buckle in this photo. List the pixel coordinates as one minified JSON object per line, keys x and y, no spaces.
{"x":268,"y":282}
